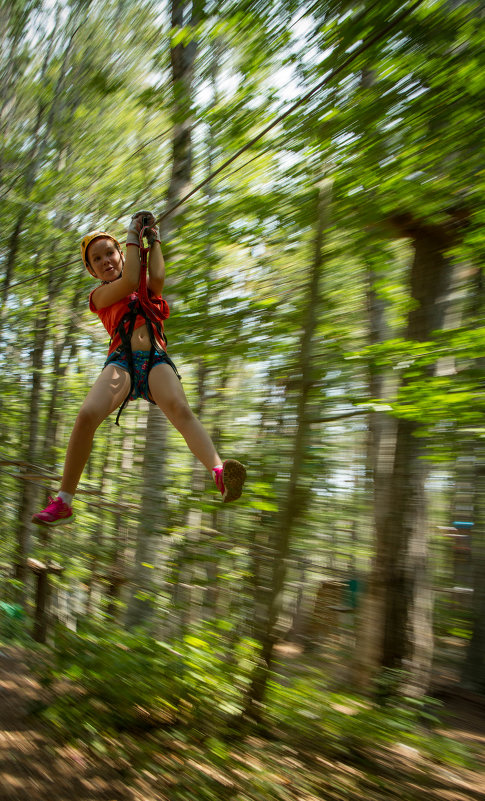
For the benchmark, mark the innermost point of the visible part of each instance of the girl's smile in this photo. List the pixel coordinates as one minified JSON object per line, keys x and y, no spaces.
{"x":105,"y":259}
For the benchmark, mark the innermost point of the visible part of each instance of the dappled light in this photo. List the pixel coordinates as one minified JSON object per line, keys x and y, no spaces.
{"x":256,"y":229}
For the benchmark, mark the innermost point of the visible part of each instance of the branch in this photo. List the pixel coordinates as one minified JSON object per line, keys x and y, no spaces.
{"x":331,"y":418}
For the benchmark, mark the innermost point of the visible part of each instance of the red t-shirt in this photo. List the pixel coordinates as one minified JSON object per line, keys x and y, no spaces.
{"x":111,"y":316}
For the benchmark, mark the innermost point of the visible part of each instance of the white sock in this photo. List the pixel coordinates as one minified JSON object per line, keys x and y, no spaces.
{"x":66,"y":497}
{"x":217,"y":467}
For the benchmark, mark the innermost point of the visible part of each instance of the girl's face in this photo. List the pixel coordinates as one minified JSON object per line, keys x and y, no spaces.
{"x":105,"y":260}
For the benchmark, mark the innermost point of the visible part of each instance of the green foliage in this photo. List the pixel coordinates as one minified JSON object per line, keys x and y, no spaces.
{"x":440,"y":403}
{"x":170,"y":710}
{"x":115,"y":682}
{"x":87,"y":137}
{"x":12,"y":622}
{"x":351,"y":727}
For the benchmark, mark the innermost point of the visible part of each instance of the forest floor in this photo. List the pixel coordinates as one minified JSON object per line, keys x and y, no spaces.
{"x":33,"y":767}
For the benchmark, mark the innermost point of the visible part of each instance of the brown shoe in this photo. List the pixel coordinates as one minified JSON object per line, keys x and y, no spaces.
{"x":230,"y":479}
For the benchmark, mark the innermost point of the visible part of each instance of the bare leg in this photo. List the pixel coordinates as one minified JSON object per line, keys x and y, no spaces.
{"x":107,"y":393}
{"x":167,"y":392}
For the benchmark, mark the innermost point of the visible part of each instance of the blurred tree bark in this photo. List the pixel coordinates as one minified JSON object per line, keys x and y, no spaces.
{"x":290,"y":505}
{"x":65,"y":348}
{"x":473,"y":674}
{"x":95,"y":564}
{"x":152,"y":513}
{"x":40,"y":139}
{"x":29,"y":490}
{"x":396,"y":630}
{"x":33,"y":448}
{"x":408,"y":630}
{"x":196,"y":520}
{"x":381,"y":446}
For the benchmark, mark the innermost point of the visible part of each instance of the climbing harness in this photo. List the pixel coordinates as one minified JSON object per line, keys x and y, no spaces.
{"x":154,"y":314}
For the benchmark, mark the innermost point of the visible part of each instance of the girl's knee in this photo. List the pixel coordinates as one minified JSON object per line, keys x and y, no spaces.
{"x":88,"y":418}
{"x":179,"y":412}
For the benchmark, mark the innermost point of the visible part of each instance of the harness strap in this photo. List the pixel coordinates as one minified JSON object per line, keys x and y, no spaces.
{"x":154,"y":317}
{"x":125,"y":336}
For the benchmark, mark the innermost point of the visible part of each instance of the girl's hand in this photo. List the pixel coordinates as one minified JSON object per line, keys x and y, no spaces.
{"x":135,"y":226}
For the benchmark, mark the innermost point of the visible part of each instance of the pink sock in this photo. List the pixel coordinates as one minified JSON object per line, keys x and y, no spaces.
{"x":217,"y":473}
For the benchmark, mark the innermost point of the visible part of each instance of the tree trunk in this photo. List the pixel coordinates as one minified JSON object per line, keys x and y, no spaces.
{"x":473,"y":675}
{"x":398,"y":607}
{"x":42,"y":597}
{"x":68,"y":349}
{"x":380,"y":459}
{"x":194,"y":522}
{"x":152,"y":521}
{"x":29,"y":489}
{"x":96,"y":538}
{"x":152,"y":505}
{"x":299,"y":616}
{"x":290,"y":504}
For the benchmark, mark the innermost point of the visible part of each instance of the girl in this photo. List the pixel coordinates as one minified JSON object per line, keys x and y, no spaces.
{"x":132,"y":310}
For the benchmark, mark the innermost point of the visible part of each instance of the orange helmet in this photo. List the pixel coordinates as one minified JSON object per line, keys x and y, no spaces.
{"x":86,"y":241}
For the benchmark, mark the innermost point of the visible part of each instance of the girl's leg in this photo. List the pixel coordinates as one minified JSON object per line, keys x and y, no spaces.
{"x":107,"y":393}
{"x":167,"y":392}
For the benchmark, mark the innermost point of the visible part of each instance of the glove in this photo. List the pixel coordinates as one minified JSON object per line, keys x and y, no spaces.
{"x":135,"y":226}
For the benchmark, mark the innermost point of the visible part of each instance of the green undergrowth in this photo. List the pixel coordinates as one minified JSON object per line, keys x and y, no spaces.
{"x":113,"y":681}
{"x":351,"y":727}
{"x":13,"y":624}
{"x":170,"y":713}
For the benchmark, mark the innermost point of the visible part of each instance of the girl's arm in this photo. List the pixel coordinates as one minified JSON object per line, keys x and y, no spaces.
{"x":156,"y":269}
{"x":107,"y":294}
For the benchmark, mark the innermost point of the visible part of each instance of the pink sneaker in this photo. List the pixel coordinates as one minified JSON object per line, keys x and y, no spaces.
{"x":55,"y":513}
{"x":230,"y":479}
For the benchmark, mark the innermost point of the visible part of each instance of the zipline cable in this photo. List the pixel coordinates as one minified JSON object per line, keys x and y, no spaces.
{"x":366,"y":44}
{"x":366,"y":11}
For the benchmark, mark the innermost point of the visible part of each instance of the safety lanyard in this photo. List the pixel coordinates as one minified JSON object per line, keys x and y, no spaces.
{"x":150,"y":310}
{"x":152,"y":314}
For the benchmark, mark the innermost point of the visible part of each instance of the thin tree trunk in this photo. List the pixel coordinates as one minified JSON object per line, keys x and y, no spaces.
{"x":97,"y":535}
{"x":67,"y":346}
{"x":195,"y":517}
{"x":299,"y":616}
{"x":152,"y":521}
{"x":152,"y":518}
{"x":29,"y":489}
{"x":381,"y":450}
{"x":290,"y":504}
{"x":473,"y":674}
{"x":408,"y":635}
{"x":118,"y":569}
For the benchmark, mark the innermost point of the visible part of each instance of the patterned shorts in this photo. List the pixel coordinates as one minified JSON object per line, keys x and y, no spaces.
{"x":140,"y":359}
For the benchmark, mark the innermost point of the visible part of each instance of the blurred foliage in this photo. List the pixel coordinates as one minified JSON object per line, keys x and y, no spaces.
{"x":82,"y":147}
{"x":435,"y":399}
{"x":12,"y":623}
{"x":169,"y":711}
{"x":114,"y":681}
{"x":86,"y":112}
{"x":351,"y":727}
